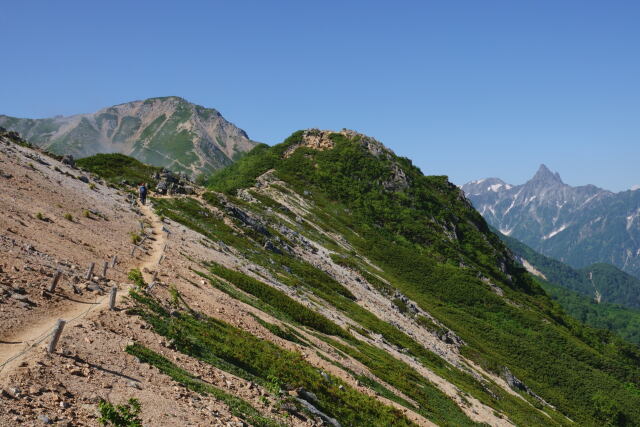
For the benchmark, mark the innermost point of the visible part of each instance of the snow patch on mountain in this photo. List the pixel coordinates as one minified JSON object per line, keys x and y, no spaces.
{"x":631,"y":218}
{"x":555,"y":232}
{"x":506,"y":232}
{"x":589,"y":199}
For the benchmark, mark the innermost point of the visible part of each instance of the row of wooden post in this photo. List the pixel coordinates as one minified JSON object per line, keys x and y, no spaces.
{"x":57,"y":330}
{"x":58,"y":275}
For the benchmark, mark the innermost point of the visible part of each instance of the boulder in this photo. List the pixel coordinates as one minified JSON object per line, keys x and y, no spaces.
{"x":315,"y":411}
{"x":269,"y":246}
{"x":162,"y":187}
{"x":68,"y":160}
{"x":309,"y":396}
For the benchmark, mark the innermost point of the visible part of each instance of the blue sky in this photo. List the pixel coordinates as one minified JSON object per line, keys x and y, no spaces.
{"x":468,"y":89}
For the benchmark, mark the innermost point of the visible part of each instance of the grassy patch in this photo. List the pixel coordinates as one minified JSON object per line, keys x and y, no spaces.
{"x":279,"y":301}
{"x":249,"y":357}
{"x":237,"y":406}
{"x":288,"y":333}
{"x":135,"y":276}
{"x":116,"y":168}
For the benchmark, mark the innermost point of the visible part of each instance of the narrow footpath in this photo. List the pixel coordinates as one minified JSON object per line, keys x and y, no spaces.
{"x":14,"y":348}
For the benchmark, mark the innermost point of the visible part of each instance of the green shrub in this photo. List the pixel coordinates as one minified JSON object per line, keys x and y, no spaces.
{"x":288,"y":334}
{"x":135,"y":276}
{"x":68,"y":217}
{"x":280,"y":301}
{"x":247,"y":356}
{"x":238,"y":406}
{"x":116,"y":168}
{"x":402,"y":306}
{"x":126,"y":415}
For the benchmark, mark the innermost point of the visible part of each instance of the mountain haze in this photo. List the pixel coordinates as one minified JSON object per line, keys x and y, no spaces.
{"x":578,"y":225}
{"x":168,"y":132}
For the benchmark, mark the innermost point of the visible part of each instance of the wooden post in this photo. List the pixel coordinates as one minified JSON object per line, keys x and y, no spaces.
{"x":133,"y":250}
{"x":114,"y":261}
{"x":112,"y":298}
{"x":104,"y":269}
{"x":54,"y":282}
{"x":153,"y":278}
{"x":57,"y":331}
{"x":90,"y":271}
{"x":142,"y":226}
{"x":161,"y":258}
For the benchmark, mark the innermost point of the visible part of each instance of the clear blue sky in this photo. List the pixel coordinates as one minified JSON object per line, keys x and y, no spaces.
{"x":464,"y":88}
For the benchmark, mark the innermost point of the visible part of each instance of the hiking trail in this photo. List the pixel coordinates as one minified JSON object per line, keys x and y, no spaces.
{"x":15,"y":347}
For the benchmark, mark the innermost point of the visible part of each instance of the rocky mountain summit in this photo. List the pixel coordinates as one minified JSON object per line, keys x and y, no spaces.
{"x":168,"y":132}
{"x":577,"y":225}
{"x":321,"y":140}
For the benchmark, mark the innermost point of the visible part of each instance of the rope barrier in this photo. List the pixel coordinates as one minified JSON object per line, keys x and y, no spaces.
{"x":92,"y":305}
{"x":46,"y":335}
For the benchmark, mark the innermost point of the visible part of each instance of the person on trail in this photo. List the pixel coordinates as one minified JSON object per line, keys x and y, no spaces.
{"x":143,"y":193}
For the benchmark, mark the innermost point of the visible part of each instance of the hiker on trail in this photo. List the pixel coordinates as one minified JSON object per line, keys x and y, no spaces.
{"x":143,"y":193}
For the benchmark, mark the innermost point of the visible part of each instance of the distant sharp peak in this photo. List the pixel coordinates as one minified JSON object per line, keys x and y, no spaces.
{"x":544,"y":175}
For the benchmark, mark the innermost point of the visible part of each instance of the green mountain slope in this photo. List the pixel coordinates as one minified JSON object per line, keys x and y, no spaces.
{"x":433,"y":248}
{"x":168,"y":132}
{"x":611,"y":284}
{"x":616,"y":318}
{"x":574,"y":291}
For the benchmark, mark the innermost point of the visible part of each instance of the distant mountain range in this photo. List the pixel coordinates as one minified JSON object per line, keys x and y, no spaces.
{"x":169,"y":132}
{"x":577,"y":225}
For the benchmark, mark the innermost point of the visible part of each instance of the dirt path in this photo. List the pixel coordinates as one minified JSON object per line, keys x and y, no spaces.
{"x":150,"y":264}
{"x":15,"y":347}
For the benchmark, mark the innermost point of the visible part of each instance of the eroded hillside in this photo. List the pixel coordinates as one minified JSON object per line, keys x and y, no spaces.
{"x":320,"y":281}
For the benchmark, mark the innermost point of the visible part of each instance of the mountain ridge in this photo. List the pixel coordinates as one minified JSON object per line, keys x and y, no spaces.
{"x":323,"y":278}
{"x":432,"y":247}
{"x":163,"y":131}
